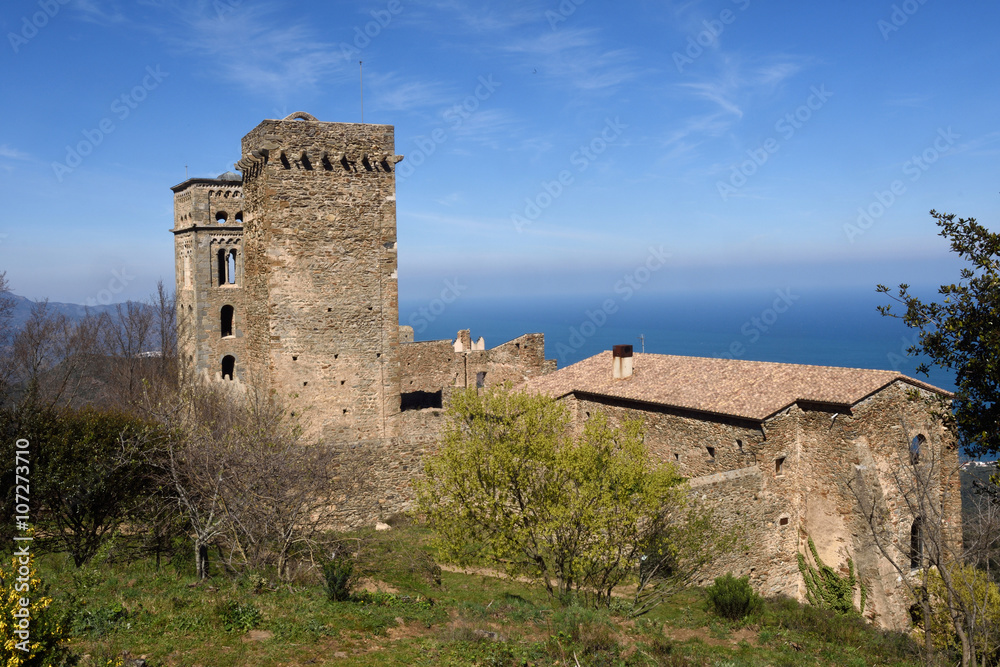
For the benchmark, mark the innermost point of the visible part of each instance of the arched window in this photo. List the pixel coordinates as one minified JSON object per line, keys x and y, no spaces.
{"x":228,"y":367}
{"x":916,"y":545}
{"x":221,"y":217}
{"x":222,"y":265}
{"x":239,"y":217}
{"x":227,"y":321}
{"x":915,"y":446}
{"x":227,"y":266}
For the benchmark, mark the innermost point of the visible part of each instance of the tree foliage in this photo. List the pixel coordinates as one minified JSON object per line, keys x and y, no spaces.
{"x":88,"y":472}
{"x":979,"y":612}
{"x":962,"y":332}
{"x":512,"y":485}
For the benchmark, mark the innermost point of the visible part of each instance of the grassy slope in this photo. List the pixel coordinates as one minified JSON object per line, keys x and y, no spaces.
{"x":468,"y":619}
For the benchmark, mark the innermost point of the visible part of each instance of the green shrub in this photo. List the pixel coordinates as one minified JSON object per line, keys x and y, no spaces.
{"x":338,"y":578}
{"x":733,"y":598}
{"x":239,"y":616}
{"x":99,"y":621}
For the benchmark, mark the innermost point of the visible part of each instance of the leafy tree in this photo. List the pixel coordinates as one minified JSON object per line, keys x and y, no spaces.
{"x":979,"y":612}
{"x":513,"y":485}
{"x":87,"y":475}
{"x":962,"y":333}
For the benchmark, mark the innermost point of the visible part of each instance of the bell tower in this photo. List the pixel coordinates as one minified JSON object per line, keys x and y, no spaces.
{"x":208,"y":255}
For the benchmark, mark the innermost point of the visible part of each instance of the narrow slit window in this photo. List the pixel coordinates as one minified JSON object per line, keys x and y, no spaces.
{"x":916,"y":545}
{"x":231,"y":267}
{"x":227,"y":321}
{"x":915,"y":446}
{"x":779,"y":466}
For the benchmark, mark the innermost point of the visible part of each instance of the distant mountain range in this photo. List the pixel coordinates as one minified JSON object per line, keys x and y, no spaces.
{"x":74,"y":311}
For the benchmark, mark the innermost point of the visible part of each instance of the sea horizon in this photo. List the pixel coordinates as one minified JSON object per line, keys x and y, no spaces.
{"x":815,"y":327}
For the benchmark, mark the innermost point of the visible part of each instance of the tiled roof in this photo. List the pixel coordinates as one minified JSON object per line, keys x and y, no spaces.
{"x":748,"y":389}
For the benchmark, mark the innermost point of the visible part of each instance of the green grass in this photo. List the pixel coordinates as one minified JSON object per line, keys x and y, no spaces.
{"x":167,"y":617}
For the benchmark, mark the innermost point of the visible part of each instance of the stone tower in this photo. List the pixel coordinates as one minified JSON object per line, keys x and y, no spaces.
{"x":208,"y":252}
{"x":319,"y":274}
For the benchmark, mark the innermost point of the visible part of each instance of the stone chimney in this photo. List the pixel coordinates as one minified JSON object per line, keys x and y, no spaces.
{"x":621,"y":361}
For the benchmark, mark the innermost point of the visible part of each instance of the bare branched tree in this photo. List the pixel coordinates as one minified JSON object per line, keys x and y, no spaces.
{"x":243,"y":478}
{"x":50,"y":355}
{"x":139,"y":344}
{"x":7,"y":304}
{"x":933,"y":546}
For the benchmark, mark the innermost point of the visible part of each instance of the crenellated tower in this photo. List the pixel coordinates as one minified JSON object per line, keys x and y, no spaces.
{"x":319,"y":275}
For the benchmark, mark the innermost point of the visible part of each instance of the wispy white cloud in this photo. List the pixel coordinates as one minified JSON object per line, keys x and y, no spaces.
{"x":737,"y":84}
{"x":12,"y":153}
{"x":101,"y":12}
{"x":393,"y":92}
{"x":576,"y":58}
{"x":910,"y":101}
{"x":249,"y":45}
{"x":981,"y":145}
{"x":478,"y":18}
{"x":490,"y":127}
{"x":255,"y":51}
{"x":720,"y":94}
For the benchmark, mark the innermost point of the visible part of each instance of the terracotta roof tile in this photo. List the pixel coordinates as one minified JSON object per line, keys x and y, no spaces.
{"x":749,"y":389}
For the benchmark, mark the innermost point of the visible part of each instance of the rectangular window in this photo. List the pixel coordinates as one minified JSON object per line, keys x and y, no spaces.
{"x":711,"y":452}
{"x":779,"y":466}
{"x":480,"y":379}
{"x":419,"y":400}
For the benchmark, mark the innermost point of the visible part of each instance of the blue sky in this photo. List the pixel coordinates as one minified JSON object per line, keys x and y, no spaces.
{"x":552,"y":147}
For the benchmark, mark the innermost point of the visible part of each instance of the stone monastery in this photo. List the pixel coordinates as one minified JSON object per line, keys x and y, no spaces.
{"x":286,"y":277}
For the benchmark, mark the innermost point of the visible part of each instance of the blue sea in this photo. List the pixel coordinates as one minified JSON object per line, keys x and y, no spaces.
{"x":821,"y":327}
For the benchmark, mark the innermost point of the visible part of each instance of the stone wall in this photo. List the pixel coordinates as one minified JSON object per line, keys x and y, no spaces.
{"x":794,"y":476}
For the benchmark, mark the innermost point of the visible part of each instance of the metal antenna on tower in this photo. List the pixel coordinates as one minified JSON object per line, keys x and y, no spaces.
{"x":361,"y":79}
{"x":642,"y":342}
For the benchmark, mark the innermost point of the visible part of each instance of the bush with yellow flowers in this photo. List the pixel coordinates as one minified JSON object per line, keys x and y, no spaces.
{"x":31,"y":632}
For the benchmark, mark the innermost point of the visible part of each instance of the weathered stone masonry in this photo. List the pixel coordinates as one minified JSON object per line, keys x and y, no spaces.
{"x":286,"y":277}
{"x":778,"y":450}
{"x":302,"y":250}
